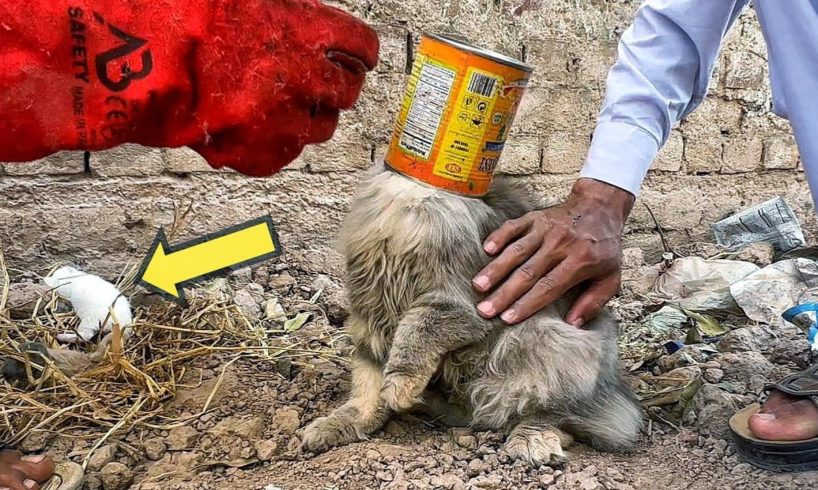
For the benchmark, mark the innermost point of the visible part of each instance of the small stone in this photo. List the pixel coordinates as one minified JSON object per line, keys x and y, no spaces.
{"x":547,"y":479}
{"x":116,"y":476}
{"x":266,"y":450}
{"x":154,"y":449}
{"x":449,"y":481}
{"x":745,"y":340}
{"x":92,"y":481}
{"x":713,"y":409}
{"x":384,"y":476}
{"x":332,"y":296}
{"x":741,"y":469}
{"x":490,"y":482}
{"x":373,"y":455}
{"x":102,"y":457}
{"x":281,"y":282}
{"x":246,"y":428}
{"x":36,"y":442}
{"x":183,"y":437}
{"x":713,"y":375}
{"x":477,"y":466}
{"x":241,"y":277}
{"x":247,"y":303}
{"x":287,"y":420}
{"x":466,"y":441}
{"x":741,"y":366}
{"x":615,"y":474}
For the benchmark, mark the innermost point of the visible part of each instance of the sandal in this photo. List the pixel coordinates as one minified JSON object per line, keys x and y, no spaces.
{"x":779,"y":455}
{"x":67,"y":476}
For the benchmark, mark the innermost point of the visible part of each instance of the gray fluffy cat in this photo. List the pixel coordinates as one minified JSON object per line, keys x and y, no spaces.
{"x":411,"y":252}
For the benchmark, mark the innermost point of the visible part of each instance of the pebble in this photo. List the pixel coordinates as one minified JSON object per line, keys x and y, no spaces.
{"x":449,"y":481}
{"x":154,"y":449}
{"x":247,"y":303}
{"x":36,"y":442}
{"x":287,"y":420}
{"x":281,"y":282}
{"x":102,"y":457}
{"x":547,"y":479}
{"x":468,"y":442}
{"x":477,"y":466}
{"x":116,"y":476}
{"x":265,"y":450}
{"x":183,"y":437}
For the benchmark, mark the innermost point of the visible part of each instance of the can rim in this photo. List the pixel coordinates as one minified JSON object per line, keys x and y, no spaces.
{"x":485,"y":53}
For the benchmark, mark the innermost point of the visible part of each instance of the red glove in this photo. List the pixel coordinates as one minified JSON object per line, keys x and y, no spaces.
{"x":246,"y":83}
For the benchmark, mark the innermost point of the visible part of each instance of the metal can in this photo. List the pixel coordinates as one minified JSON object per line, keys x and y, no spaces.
{"x":459,"y":104}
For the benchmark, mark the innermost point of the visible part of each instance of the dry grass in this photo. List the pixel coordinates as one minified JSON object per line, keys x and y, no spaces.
{"x":128,"y":385}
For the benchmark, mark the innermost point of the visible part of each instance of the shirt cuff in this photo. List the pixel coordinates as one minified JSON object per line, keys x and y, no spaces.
{"x":620,"y":155}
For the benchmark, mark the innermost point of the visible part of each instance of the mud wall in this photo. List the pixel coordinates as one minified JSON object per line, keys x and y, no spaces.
{"x":104,"y":211}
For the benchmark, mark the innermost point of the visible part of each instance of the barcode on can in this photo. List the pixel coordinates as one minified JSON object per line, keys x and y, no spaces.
{"x":482,"y":84}
{"x":429,"y":103}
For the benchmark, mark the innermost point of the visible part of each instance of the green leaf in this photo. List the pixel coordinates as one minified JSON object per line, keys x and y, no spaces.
{"x":296,"y":322}
{"x":707,"y":325}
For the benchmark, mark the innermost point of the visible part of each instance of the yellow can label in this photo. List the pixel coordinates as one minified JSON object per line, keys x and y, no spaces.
{"x":472,"y":109}
{"x":455,"y":117}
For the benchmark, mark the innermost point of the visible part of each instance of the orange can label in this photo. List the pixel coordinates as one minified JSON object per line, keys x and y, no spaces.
{"x":459,"y":104}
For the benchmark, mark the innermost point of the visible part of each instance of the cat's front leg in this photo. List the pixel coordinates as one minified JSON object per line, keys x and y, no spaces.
{"x":429,"y":330}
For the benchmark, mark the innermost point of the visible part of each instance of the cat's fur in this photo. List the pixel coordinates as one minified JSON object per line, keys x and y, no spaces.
{"x":411,"y":252}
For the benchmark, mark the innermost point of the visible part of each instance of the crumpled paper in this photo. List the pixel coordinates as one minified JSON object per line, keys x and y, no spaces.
{"x":701,"y":285}
{"x":767,"y":293}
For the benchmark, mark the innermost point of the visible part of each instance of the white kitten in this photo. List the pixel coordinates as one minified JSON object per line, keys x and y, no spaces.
{"x":91,"y":297}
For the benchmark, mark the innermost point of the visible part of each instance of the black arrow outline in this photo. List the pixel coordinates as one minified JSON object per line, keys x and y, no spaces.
{"x":161,"y":239}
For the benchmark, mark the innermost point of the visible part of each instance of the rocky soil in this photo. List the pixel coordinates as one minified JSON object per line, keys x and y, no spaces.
{"x":250,"y":436}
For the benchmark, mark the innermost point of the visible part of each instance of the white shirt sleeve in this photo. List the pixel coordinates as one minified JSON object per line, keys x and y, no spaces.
{"x":665,"y":61}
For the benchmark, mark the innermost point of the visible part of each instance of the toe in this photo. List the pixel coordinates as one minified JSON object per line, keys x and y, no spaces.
{"x":793,"y":421}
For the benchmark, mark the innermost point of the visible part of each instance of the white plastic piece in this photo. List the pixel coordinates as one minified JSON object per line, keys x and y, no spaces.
{"x":91,"y":297}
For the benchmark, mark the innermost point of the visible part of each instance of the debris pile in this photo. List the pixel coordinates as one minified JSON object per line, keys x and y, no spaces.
{"x":703,"y":337}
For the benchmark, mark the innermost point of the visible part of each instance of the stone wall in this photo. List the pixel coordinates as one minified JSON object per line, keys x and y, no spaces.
{"x":730,"y":154}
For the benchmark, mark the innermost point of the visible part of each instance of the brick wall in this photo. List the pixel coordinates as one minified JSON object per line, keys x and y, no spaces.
{"x":730,"y":154}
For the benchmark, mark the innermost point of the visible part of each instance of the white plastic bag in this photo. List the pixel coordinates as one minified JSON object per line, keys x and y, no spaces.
{"x":91,"y":297}
{"x":702,"y":285}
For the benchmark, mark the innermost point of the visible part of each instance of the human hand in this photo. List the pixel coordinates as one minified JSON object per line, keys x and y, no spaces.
{"x":545,"y":253}
{"x":18,"y":472}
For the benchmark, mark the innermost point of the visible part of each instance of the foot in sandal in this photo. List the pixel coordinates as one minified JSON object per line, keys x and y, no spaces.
{"x":782,"y":434}
{"x":785,"y":417}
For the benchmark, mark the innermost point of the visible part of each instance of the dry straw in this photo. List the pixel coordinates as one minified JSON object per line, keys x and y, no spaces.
{"x":128,"y":386}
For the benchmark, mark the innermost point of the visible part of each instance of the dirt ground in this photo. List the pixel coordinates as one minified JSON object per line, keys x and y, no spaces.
{"x":249,"y":438}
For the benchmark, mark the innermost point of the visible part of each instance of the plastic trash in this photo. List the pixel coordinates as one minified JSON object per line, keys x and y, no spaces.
{"x":772,"y":222}
{"x":701,"y":285}
{"x":805,"y":317}
{"x":764,"y":295}
{"x":91,"y":297}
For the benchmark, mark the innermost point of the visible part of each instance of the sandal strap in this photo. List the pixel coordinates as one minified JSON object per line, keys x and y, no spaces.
{"x":804,"y":383}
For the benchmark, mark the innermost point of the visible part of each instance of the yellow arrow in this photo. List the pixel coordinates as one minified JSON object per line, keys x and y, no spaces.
{"x":168,"y":269}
